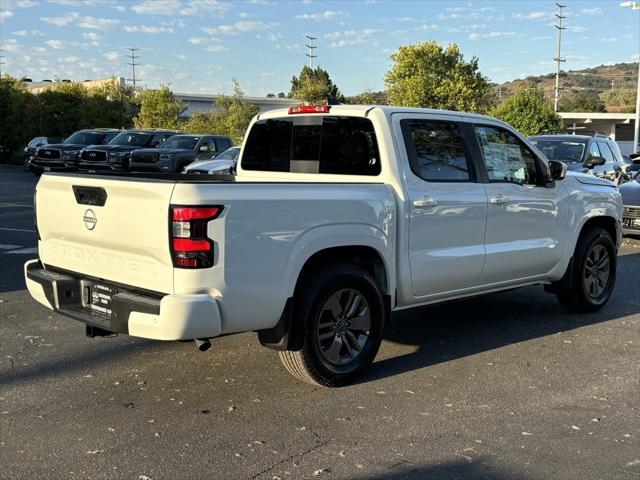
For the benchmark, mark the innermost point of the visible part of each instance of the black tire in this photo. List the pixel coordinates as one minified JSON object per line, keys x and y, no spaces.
{"x":575,"y":292}
{"x":310,"y":364}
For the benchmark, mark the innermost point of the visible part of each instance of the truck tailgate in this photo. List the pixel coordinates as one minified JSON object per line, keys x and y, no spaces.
{"x":125,"y":240}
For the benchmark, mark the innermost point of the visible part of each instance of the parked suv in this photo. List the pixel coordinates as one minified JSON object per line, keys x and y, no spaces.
{"x":34,"y":144}
{"x":597,"y":155}
{"x":115,"y":155}
{"x":178,"y":152}
{"x":64,"y":156}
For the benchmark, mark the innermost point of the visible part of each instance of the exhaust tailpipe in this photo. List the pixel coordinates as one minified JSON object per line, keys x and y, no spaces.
{"x":203,"y":344}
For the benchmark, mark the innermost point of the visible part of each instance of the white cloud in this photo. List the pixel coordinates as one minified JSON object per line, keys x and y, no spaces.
{"x":178,"y":7}
{"x":216,"y":48}
{"x":533,"y":15}
{"x":609,"y":39}
{"x":5,"y":14}
{"x":573,"y":28}
{"x":26,"y":3}
{"x":56,"y":44}
{"x":479,"y":36}
{"x":70,"y":59}
{"x":111,"y":56}
{"x":26,"y":33}
{"x":405,"y":19}
{"x":242,"y":26}
{"x":62,"y":20}
{"x":94,"y":23}
{"x":94,"y":37}
{"x":326,"y":15}
{"x":578,"y":58}
{"x":274,"y":37}
{"x":445,"y":16}
{"x":591,"y":11}
{"x":351,"y":37}
{"x":146,"y":29}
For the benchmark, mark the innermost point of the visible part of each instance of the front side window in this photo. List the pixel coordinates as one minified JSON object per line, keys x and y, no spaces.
{"x":159,"y":138}
{"x":313,"y":144}
{"x":594,"y":151}
{"x":85,"y":138}
{"x":605,"y":151}
{"x":506,"y":159}
{"x":131,"y":138}
{"x":186,"y":142}
{"x":436,"y":150}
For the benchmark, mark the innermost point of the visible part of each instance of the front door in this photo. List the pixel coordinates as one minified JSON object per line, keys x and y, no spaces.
{"x":447,"y":208}
{"x":526,"y":220}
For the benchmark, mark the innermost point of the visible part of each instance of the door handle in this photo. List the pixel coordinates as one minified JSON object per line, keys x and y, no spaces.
{"x":425,"y":202}
{"x":498,"y":199}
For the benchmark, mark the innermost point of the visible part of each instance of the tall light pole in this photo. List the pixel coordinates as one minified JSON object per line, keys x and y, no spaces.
{"x":636,"y":126}
{"x":558,"y":59}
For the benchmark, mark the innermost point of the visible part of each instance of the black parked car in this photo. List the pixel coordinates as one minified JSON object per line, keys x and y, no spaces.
{"x":597,"y":155}
{"x":34,"y":144}
{"x":64,"y":156}
{"x":178,"y":152}
{"x":115,"y":155}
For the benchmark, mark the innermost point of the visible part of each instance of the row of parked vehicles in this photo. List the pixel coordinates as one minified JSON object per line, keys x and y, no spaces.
{"x":111,"y":150}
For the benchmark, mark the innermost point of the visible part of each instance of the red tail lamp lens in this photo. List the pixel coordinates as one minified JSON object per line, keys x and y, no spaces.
{"x":190,"y":245}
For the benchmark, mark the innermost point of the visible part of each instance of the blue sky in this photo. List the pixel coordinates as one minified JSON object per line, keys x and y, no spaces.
{"x":199,"y":45}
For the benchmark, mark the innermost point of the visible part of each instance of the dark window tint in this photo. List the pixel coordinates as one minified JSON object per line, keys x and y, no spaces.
{"x":506,"y":159}
{"x":436,"y":150}
{"x":222,"y":144}
{"x":605,"y":151}
{"x":158,"y":138}
{"x":85,"y":138}
{"x":313,"y":144}
{"x":594,"y":151}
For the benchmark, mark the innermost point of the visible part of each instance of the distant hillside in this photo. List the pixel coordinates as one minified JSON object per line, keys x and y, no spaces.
{"x":614,"y":85}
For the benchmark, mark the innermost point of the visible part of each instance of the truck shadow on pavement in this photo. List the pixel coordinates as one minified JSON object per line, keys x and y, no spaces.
{"x":458,"y":329}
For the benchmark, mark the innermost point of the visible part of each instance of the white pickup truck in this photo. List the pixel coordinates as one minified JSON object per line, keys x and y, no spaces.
{"x":338,"y":216}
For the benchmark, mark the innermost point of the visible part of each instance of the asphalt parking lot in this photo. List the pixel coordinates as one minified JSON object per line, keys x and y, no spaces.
{"x":508,"y":386}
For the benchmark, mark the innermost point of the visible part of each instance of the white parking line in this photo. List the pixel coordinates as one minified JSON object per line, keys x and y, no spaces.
{"x":17,"y":230}
{"x":23,"y":251}
{"x":8,"y":247}
{"x":4,"y":204}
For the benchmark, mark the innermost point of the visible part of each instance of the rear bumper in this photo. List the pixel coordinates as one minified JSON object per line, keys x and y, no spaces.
{"x":157,"y":316}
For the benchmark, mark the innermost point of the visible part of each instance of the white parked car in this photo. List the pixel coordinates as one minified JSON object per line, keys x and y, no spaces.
{"x":223,"y":164}
{"x":337,"y":217}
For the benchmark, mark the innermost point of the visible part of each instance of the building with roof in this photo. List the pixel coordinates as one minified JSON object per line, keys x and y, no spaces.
{"x":617,"y":126}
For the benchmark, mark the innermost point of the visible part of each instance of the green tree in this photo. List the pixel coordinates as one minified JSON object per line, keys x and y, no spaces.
{"x":428,"y":75}
{"x":18,"y":113}
{"x":62,"y":108}
{"x":231,"y":117}
{"x":314,"y":87}
{"x":159,"y":109}
{"x":368,"y":97}
{"x":582,"y":102}
{"x":529,"y":112}
{"x":626,"y":99}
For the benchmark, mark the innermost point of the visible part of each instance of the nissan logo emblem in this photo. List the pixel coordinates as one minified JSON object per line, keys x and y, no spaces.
{"x":90,"y":219}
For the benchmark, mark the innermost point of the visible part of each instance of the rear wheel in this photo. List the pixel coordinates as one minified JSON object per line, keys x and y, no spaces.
{"x":343,"y":312}
{"x":592,"y":274}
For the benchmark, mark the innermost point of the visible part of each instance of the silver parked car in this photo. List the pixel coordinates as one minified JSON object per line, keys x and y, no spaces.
{"x":223,"y":164}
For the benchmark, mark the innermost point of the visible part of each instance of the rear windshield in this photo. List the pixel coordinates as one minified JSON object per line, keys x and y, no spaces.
{"x":313,"y":144}
{"x":179,"y":141}
{"x":85,"y":138}
{"x":131,"y":138}
{"x":562,"y":150}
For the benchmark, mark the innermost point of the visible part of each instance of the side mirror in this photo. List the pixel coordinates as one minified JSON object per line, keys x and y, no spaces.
{"x":204,"y":148}
{"x":594,"y":162}
{"x":557,"y":170}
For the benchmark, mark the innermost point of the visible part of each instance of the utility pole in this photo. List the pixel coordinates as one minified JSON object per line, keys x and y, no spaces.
{"x":311,"y":49}
{"x":558,"y":59}
{"x":133,"y":64}
{"x":636,"y":126}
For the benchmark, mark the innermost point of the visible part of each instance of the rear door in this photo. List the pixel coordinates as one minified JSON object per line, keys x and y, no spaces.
{"x":447,"y":205}
{"x":112,"y":229}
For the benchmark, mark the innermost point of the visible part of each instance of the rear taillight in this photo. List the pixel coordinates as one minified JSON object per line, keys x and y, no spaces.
{"x":309,"y":109}
{"x":190,"y":246}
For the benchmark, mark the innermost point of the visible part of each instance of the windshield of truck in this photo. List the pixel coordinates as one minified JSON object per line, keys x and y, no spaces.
{"x":85,"y":138}
{"x":562,"y":150}
{"x":188,"y":142}
{"x":131,"y":138}
{"x":313,"y":144}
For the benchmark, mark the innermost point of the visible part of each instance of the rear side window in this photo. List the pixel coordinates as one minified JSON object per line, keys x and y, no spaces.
{"x":222,"y":144}
{"x":436,"y":150}
{"x":313,"y":144}
{"x":594,"y":151}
